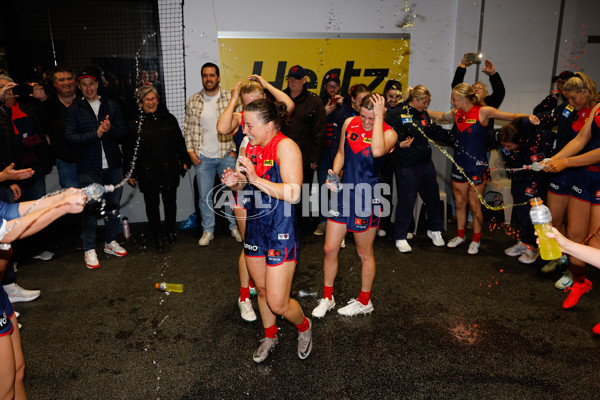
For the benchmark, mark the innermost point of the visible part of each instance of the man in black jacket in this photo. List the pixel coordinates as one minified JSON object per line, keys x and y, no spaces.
{"x":95,"y":126}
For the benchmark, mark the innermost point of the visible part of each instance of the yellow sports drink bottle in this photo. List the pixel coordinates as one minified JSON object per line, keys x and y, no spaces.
{"x":542,"y":222}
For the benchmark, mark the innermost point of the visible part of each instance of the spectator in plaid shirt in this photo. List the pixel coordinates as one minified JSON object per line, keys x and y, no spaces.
{"x":210,"y":152}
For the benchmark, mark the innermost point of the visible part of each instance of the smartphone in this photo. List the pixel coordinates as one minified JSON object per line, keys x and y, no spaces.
{"x":475,"y":58}
{"x":22,"y":90}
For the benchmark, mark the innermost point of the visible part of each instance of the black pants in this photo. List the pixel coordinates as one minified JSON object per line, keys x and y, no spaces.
{"x":523,"y":189}
{"x":152,"y":200}
{"x":420,"y":179}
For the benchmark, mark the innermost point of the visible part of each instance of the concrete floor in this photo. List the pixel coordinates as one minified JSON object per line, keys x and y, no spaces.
{"x":446,"y":326}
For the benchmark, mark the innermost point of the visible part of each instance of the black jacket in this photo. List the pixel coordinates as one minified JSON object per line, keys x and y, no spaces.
{"x":81,"y":128}
{"x":161,"y":154}
{"x":495,"y":98}
{"x":403,"y":119}
{"x":306,"y":126}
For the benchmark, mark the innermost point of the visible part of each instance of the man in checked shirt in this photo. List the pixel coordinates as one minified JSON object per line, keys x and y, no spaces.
{"x":210,"y":152}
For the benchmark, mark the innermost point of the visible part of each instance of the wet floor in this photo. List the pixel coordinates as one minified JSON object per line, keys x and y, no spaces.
{"x":446,"y":326}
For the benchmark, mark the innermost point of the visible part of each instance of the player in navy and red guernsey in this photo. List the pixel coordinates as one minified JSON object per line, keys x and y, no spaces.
{"x":366,"y":138}
{"x":469,"y":132}
{"x":232,"y":121}
{"x":583,"y":211}
{"x":270,"y":177}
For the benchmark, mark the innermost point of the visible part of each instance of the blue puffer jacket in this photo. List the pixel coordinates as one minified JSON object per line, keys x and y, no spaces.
{"x":81,"y":131}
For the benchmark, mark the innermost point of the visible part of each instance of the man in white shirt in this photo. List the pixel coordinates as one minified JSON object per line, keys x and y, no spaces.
{"x":210,"y":152}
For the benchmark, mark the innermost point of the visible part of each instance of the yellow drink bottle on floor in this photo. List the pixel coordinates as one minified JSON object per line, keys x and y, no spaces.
{"x":542,"y":222}
{"x":170,"y":287}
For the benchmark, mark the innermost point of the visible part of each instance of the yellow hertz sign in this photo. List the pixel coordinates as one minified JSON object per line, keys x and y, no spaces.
{"x":361,"y":58}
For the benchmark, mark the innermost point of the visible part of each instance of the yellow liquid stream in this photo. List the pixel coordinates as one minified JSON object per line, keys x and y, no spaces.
{"x":549,"y":248}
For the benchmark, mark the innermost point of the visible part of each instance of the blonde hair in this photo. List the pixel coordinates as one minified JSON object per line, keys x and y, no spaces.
{"x":418,"y":92}
{"x":581,"y":82}
{"x":466,"y":91}
{"x":485,"y":91}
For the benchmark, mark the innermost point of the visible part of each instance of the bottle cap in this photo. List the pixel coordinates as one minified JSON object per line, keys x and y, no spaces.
{"x":536,"y":201}
{"x":157,"y":285}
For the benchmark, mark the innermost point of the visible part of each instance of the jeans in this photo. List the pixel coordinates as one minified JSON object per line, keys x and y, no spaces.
{"x":32,"y":188}
{"x":205,"y":173}
{"x":89,"y":217}
{"x":67,"y":174}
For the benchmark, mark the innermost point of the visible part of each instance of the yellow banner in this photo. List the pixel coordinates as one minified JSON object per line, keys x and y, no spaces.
{"x":372,"y":61}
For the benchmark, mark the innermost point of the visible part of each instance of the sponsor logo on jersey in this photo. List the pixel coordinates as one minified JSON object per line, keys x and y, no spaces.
{"x":537,"y":157}
{"x":352,"y":136}
{"x":471,"y":121}
{"x":334,"y":213}
{"x":359,"y":222}
{"x":268,"y":163}
{"x":365,"y":153}
{"x":577,"y":189}
{"x":597,"y":193}
{"x":529,"y":191}
{"x":283,"y":236}
{"x":406,"y":119}
{"x":274,"y":253}
{"x":367,"y":140}
{"x":424,"y":122}
{"x":554,"y":186}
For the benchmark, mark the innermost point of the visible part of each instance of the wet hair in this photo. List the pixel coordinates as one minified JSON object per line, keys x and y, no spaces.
{"x":465,"y":90}
{"x":62,"y":68}
{"x":210,"y":65}
{"x":392,"y":85}
{"x":367,"y":102}
{"x":418,"y":92}
{"x":6,"y":78}
{"x":267,"y":110}
{"x":512,"y":132}
{"x":485,"y":91}
{"x":143,"y":91}
{"x":358,"y":89}
{"x":582,"y":82}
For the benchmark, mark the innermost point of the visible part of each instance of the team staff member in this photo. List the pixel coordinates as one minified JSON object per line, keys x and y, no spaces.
{"x":498,"y":92}
{"x":253,"y":89}
{"x":471,"y":121}
{"x":415,"y":172}
{"x":367,"y":138}
{"x":272,"y":171}
{"x":522,"y":144}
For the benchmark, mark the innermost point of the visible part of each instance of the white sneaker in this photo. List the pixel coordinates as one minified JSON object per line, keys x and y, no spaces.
{"x":455,"y":242}
{"x":235,"y":232}
{"x":320,"y":231}
{"x":403,"y":246}
{"x":436,"y":238}
{"x":381,"y":233}
{"x":16,"y":294}
{"x":246,"y":310}
{"x":473,"y":248}
{"x":529,"y":256}
{"x":44,"y":256}
{"x":115,"y":249}
{"x":206,"y":238}
{"x":91,"y":259}
{"x":343,"y":245}
{"x":516,"y":250}
{"x":324,"y":306}
{"x":409,"y":236}
{"x":355,"y":307}
{"x":565,"y":281}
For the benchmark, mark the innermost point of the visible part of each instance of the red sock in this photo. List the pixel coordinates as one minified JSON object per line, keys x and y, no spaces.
{"x":327,"y":292}
{"x":271,"y":332}
{"x":251,"y":284}
{"x":364,"y":297}
{"x":477,"y":237}
{"x":461,"y":233}
{"x":303,"y":327}
{"x":244,"y":293}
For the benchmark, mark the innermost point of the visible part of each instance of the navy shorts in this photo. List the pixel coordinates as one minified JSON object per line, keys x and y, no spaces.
{"x":478,"y":175}
{"x":586,"y":185}
{"x":274,"y":256}
{"x":7,"y":310}
{"x":562,"y":183}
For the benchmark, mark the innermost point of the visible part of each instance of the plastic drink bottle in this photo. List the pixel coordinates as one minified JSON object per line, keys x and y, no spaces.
{"x":170,"y":287}
{"x":542,"y":222}
{"x":334,"y":179}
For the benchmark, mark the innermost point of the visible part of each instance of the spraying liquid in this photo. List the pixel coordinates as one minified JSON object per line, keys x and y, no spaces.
{"x":542,"y":222}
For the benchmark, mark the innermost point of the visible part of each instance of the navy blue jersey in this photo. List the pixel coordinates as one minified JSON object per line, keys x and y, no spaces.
{"x":271,"y":223}
{"x":469,"y":140}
